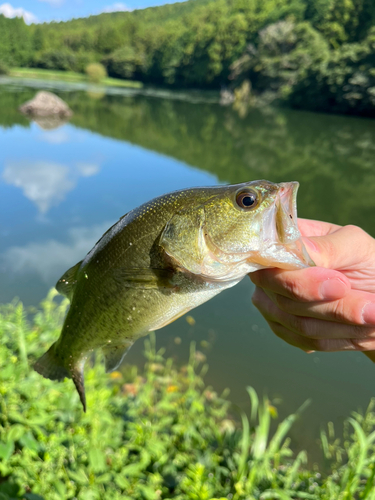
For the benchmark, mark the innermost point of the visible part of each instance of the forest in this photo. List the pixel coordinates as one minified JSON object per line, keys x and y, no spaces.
{"x":309,"y":54}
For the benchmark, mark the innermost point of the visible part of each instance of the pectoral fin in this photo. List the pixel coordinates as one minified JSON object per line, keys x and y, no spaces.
{"x":145,"y":278}
{"x":68,"y":280}
{"x":183,"y":239}
{"x":114,"y":355}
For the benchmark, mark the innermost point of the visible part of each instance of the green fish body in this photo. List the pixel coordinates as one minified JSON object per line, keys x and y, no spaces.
{"x":164,"y":258}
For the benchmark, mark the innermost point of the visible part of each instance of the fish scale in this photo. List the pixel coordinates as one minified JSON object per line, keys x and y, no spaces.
{"x":164,"y":258}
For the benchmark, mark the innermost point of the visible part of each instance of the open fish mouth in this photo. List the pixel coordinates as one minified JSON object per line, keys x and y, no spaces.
{"x":283,"y":246}
{"x":286,"y":213}
{"x":286,"y":224}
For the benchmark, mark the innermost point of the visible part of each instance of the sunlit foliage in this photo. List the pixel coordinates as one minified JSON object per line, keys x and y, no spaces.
{"x":316,"y":54}
{"x":154,"y":434}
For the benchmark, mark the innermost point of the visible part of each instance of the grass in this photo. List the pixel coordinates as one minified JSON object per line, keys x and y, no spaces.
{"x":158,"y":434}
{"x":68,"y":76}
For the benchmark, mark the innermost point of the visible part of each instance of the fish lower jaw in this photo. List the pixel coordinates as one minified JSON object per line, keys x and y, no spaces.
{"x":290,"y":256}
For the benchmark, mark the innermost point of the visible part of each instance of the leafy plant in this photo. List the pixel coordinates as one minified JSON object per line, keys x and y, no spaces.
{"x":152,"y":435}
{"x":96,"y":72}
{"x":4,"y":70}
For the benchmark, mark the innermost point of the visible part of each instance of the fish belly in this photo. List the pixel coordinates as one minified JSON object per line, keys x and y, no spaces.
{"x":119,"y":319}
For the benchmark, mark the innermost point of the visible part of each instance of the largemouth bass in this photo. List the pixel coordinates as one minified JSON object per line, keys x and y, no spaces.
{"x":164,"y":258}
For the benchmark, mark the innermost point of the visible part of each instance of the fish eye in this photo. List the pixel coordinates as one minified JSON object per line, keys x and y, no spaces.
{"x":247,"y":199}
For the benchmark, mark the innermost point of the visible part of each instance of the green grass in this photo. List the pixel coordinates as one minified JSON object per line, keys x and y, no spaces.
{"x":68,"y":76}
{"x":156,"y":434}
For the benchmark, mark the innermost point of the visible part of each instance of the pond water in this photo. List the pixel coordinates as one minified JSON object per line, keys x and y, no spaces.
{"x":61,"y":188}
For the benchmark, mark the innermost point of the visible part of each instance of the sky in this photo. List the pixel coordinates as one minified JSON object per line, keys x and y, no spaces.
{"x":56,"y":10}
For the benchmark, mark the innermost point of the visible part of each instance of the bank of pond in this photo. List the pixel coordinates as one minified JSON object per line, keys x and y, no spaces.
{"x":157,"y":433}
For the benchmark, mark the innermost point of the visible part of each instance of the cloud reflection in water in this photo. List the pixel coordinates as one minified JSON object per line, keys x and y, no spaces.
{"x":51,"y":258}
{"x":46,"y":183}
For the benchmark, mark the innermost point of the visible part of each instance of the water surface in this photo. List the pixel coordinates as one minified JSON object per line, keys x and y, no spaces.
{"x":61,"y":188}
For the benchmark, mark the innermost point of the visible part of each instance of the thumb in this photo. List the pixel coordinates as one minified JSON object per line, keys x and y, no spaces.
{"x":340,"y":249}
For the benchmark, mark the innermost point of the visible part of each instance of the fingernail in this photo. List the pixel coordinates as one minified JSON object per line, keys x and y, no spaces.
{"x":368,"y":313}
{"x":310,"y":244}
{"x":333,"y":289}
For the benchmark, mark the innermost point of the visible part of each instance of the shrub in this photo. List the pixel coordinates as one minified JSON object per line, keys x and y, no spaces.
{"x":124,"y":62}
{"x":57,"y":59}
{"x":4,"y":70}
{"x":96,"y":72}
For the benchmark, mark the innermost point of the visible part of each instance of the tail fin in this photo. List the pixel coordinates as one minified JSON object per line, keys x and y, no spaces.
{"x":50,"y":366}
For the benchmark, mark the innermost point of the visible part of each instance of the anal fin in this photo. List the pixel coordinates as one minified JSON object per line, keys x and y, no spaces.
{"x":79,"y":382}
{"x":114,"y":355}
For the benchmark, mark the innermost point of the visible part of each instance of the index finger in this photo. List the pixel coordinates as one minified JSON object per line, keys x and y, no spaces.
{"x":310,"y":227}
{"x":307,"y":285}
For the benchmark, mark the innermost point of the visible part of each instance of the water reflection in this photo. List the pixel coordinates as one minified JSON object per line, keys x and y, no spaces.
{"x":55,"y":136}
{"x":46,"y":183}
{"x":60,"y":189}
{"x":50,"y":258}
{"x":49,"y":122}
{"x":329,"y":155}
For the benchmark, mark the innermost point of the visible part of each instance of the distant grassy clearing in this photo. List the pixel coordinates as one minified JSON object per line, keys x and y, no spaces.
{"x":69,"y":76}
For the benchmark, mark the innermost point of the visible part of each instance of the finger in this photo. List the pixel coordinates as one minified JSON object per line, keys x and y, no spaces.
{"x":341,"y":248}
{"x":310,"y":328}
{"x":308,"y":285}
{"x":328,"y":345}
{"x":310,"y":227}
{"x":349,"y":310}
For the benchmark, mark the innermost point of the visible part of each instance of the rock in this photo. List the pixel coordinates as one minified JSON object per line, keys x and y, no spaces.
{"x":226,"y":97}
{"x":50,"y":122}
{"x":46,"y":104}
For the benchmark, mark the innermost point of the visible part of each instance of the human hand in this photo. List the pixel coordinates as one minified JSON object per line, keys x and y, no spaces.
{"x":330,"y":307}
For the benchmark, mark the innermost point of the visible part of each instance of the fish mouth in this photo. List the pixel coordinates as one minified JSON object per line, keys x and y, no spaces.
{"x":287,"y":226}
{"x":286,"y":212}
{"x":284,"y":247}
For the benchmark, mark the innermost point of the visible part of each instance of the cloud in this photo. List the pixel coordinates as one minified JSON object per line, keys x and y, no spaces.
{"x":116,"y":7}
{"x":50,"y":259}
{"x":46,"y":183}
{"x":9,"y":11}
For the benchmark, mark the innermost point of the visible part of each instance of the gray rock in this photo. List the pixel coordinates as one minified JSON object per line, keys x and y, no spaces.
{"x":46,"y":104}
{"x":226,"y":97}
{"x":50,"y":122}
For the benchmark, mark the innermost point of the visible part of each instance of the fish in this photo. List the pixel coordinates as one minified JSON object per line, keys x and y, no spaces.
{"x":165,"y":258}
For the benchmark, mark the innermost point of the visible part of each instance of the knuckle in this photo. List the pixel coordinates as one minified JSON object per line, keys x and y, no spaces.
{"x":342,"y":312}
{"x":356,"y":230}
{"x":362,"y":239}
{"x":281,"y":302}
{"x":293,"y":288}
{"x":338,"y":310}
{"x":299,"y":325}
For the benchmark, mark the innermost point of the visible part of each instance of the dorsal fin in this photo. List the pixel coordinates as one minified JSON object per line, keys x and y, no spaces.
{"x":68,"y":280}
